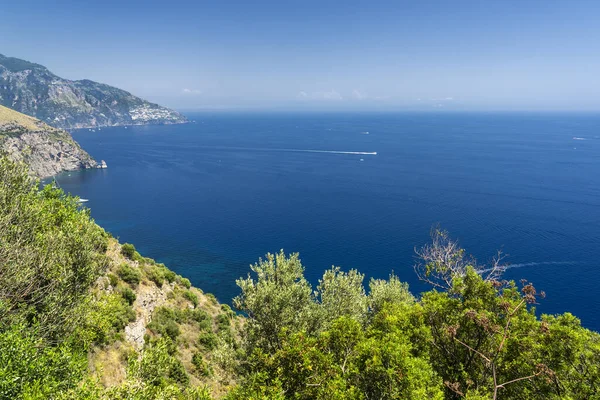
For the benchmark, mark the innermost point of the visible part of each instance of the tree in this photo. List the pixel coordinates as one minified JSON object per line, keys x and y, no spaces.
{"x":279,"y":298}
{"x":392,"y":291}
{"x":50,"y":253}
{"x":342,"y":294}
{"x":443,"y":260}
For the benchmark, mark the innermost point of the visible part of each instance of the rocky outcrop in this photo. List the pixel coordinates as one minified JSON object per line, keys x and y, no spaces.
{"x":46,"y":150}
{"x":148,"y":299}
{"x":33,"y":90}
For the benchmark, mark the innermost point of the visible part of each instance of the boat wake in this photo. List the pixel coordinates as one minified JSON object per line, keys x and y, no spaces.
{"x":361,"y":153}
{"x":530,"y":264}
{"x":266,"y":149}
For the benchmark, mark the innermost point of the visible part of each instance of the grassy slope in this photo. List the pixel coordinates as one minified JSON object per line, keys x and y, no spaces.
{"x":11,"y":117}
{"x":108,"y":363}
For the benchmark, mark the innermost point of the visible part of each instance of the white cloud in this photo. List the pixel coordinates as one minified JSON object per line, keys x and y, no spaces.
{"x":191,"y":91}
{"x":328,"y":95}
{"x":357,"y":95}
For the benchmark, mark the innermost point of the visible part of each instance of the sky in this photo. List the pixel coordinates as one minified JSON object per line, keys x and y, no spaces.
{"x":321,"y":55}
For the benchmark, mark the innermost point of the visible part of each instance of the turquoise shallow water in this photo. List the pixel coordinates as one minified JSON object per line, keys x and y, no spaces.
{"x":211,"y":197}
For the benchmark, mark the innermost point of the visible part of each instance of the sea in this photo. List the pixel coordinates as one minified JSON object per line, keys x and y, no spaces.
{"x":356,"y":190}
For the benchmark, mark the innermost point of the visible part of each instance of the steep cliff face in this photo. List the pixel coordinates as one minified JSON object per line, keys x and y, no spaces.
{"x":46,"y":150}
{"x":33,"y":90}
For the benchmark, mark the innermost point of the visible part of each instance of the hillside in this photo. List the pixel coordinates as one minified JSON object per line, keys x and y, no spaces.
{"x":85,"y":317}
{"x":33,"y":90}
{"x":46,"y":150}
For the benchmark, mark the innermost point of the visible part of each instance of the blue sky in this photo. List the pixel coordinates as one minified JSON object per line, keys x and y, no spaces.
{"x":371,"y":55}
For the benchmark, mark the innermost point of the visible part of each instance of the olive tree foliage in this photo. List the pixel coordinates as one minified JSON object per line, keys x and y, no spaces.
{"x":391,"y":291}
{"x":279,"y":298}
{"x":341,"y":294}
{"x":50,"y":252}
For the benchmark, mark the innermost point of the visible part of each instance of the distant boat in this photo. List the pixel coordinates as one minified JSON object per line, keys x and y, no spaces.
{"x":365,"y":132}
{"x":83,"y":200}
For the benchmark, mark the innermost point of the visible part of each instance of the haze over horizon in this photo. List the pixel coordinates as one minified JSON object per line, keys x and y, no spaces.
{"x":392,"y":55}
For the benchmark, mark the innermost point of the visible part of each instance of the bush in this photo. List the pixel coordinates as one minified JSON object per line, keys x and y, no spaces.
{"x":202,"y":367}
{"x":51,"y":252}
{"x":185,"y":282}
{"x":129,"y":274}
{"x":192,"y":297}
{"x":128,"y":295}
{"x":106,"y":317}
{"x":208,"y":340}
{"x":113,"y":280}
{"x":223,"y":322}
{"x":169,"y":275}
{"x":164,"y":322}
{"x":158,"y":367}
{"x":31,"y":369}
{"x":226,"y":308}
{"x":128,"y":250}
{"x":156,"y":275}
{"x":199,"y":315}
{"x":211,"y":297}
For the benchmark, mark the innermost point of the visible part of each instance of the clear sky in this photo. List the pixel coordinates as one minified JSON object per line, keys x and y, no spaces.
{"x":371,"y":55}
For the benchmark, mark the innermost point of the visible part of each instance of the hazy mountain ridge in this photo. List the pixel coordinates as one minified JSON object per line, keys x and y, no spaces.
{"x":47,"y":151}
{"x":33,"y":90}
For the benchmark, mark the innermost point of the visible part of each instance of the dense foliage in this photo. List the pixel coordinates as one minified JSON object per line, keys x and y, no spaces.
{"x":67,"y":292}
{"x":479,"y":339}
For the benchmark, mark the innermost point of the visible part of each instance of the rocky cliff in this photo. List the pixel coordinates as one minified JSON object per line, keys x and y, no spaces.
{"x":46,"y":150}
{"x":33,"y":90}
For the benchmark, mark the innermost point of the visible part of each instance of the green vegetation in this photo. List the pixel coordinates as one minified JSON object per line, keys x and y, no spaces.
{"x":129,"y":274}
{"x":69,"y":291}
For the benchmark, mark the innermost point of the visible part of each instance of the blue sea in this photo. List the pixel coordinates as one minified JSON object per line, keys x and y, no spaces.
{"x":210,"y":197}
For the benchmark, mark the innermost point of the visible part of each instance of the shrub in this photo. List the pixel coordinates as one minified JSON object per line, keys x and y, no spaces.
{"x":128,"y":250}
{"x":201,"y":317}
{"x":192,"y":297}
{"x":105,"y":318}
{"x":164,"y":322}
{"x":226,"y":308}
{"x":51,"y":252}
{"x":156,"y":276}
{"x":30,"y":369}
{"x":128,"y":295}
{"x":201,"y":366}
{"x":158,"y":367}
{"x":185,"y":282}
{"x":208,"y":340}
{"x":113,"y":279}
{"x":211,"y":297}
{"x":129,"y":274}
{"x":178,"y":374}
{"x":223,"y":322}
{"x":169,"y":275}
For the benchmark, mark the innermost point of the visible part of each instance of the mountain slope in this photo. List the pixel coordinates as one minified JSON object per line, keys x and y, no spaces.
{"x":33,"y":90}
{"x":47,"y":151}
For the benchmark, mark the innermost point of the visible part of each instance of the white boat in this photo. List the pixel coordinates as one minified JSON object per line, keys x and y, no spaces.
{"x":83,"y":200}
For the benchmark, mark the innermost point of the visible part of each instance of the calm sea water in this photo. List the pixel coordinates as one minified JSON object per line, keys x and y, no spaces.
{"x":211,"y":197}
